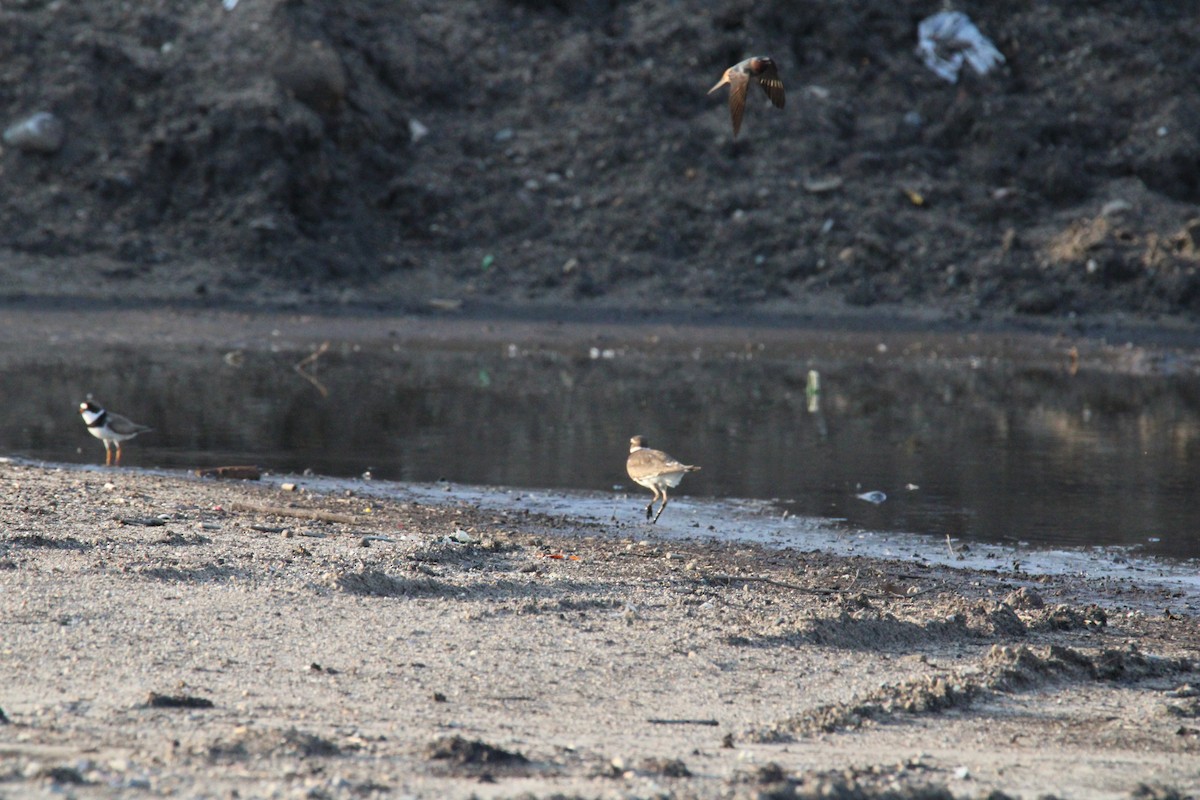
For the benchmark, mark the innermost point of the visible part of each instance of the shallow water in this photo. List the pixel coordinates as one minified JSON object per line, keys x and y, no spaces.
{"x":1001,"y":445}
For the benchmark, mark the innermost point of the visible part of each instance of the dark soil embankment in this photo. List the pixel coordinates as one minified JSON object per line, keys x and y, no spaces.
{"x":566,"y":152}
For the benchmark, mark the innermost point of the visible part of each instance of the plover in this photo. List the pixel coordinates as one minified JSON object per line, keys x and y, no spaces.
{"x":109,"y":428}
{"x":655,"y":470}
{"x":760,"y":70}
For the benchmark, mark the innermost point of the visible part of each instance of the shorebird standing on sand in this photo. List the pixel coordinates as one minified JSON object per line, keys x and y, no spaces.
{"x":109,"y":428}
{"x":760,"y":70}
{"x":655,"y":470}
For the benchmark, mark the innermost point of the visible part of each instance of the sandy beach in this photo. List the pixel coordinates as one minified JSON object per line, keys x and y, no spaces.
{"x":167,"y":635}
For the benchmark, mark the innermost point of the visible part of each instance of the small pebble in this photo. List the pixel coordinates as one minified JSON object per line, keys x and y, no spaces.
{"x":38,"y":133}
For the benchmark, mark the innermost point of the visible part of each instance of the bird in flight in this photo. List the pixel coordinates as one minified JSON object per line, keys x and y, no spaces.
{"x":760,"y":70}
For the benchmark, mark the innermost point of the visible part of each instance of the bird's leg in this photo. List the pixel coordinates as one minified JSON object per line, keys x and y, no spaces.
{"x":660,"y":508}
{"x":650,"y":505}
{"x":118,"y":454}
{"x":107,"y":453}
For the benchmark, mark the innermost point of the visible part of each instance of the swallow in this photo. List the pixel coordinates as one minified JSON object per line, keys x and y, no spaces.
{"x":655,"y":470}
{"x":109,"y":428}
{"x":761,"y":70}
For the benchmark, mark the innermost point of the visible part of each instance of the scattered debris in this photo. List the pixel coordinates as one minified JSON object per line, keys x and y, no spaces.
{"x":156,"y":700}
{"x":236,"y":473}
{"x":667,"y":767}
{"x":948,"y":39}
{"x":417,"y":130}
{"x":149,"y":522}
{"x":62,"y":775}
{"x":38,"y":133}
{"x":462,"y":752}
{"x":253,"y":743}
{"x":301,"y":368}
{"x":812,"y":391}
{"x":461,"y":537}
{"x":1025,"y":598}
{"x":379,"y":584}
{"x":822,"y":185}
{"x":872,"y":497}
{"x":298,"y":513}
{"x":711,"y":722}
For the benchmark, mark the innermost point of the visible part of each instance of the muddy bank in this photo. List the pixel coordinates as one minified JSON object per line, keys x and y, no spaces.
{"x":566,"y":152}
{"x":167,"y":634}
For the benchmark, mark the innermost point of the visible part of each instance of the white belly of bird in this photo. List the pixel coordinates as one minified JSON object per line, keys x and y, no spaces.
{"x":110,"y":434}
{"x":670,"y":479}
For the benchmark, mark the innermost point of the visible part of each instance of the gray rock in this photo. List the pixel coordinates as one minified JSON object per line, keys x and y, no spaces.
{"x":38,"y":133}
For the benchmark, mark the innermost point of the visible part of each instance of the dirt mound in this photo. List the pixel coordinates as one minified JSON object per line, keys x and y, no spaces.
{"x":1003,"y":670}
{"x":252,"y":743}
{"x":566,"y":151}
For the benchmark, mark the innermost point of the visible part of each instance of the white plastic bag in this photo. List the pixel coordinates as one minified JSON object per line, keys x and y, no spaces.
{"x":948,"y":38}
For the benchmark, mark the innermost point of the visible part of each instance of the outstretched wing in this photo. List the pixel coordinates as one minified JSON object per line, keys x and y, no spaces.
{"x":772,"y":85}
{"x":738,"y":82}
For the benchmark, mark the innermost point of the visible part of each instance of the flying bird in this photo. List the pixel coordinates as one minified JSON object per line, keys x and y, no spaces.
{"x":655,"y":470}
{"x":760,"y":70}
{"x":109,"y":428}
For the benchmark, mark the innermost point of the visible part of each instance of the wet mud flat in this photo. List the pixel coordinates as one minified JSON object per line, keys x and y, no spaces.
{"x":297,"y":637}
{"x":989,"y":437}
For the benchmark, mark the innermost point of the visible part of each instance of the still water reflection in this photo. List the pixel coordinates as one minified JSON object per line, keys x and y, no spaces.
{"x":997,"y":449}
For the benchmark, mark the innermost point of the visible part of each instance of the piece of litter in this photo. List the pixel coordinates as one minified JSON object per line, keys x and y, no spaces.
{"x":149,"y":522}
{"x":872,"y":497}
{"x":822,"y":185}
{"x":416,"y":130}
{"x":948,"y":38}
{"x":38,"y":133}
{"x":462,"y":537}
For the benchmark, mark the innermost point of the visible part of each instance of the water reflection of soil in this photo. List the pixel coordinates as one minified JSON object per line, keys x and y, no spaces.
{"x":1000,"y":447}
